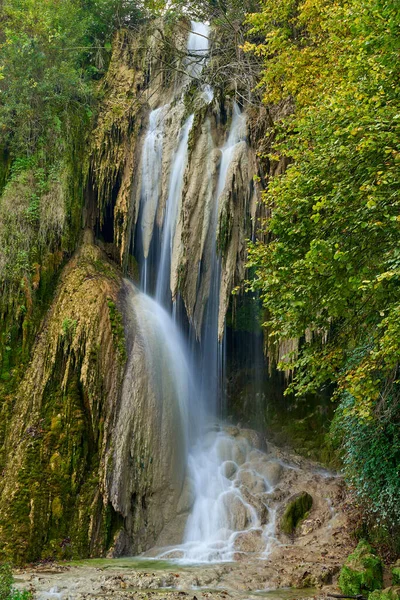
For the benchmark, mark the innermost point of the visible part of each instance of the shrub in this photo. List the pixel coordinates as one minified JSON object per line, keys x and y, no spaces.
{"x":7,"y":592}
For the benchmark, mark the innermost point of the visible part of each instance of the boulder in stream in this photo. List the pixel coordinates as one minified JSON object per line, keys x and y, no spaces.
{"x":250,"y":541}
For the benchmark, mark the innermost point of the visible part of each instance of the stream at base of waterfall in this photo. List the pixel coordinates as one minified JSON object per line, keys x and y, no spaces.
{"x":286,"y":572}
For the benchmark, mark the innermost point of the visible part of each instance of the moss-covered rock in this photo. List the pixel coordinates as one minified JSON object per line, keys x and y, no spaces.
{"x":390,"y":593}
{"x":53,"y":502}
{"x":296,"y":510}
{"x":362,"y":571}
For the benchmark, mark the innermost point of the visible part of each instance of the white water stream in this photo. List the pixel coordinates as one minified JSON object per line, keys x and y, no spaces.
{"x":151,"y":172}
{"x":226,"y":517}
{"x":163,"y":291}
{"x":198,"y":49}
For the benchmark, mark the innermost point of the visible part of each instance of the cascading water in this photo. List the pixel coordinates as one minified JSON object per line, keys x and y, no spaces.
{"x":163,"y":291}
{"x":151,"y":170}
{"x":226,"y":517}
{"x":198,"y":48}
{"x":212,"y":350}
{"x":228,"y":477}
{"x":167,"y":357}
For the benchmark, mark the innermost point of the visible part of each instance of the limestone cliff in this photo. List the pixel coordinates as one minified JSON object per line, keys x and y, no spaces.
{"x":53,"y":498}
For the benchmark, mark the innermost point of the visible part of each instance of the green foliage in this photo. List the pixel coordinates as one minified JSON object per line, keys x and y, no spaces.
{"x":329,"y":273}
{"x":362,"y":571}
{"x":7,"y":592}
{"x":396,"y":575}
{"x":6,"y":581}
{"x":43,"y":85}
{"x":371,"y":456}
{"x":51,"y":55}
{"x":222,"y":12}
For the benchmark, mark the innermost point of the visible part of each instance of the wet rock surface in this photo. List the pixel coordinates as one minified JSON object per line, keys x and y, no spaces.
{"x":311,"y":557}
{"x":243,"y":579}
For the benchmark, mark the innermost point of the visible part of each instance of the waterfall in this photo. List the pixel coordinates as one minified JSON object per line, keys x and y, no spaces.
{"x":163,"y":291}
{"x":152,"y":431}
{"x":212,"y":347}
{"x":220,"y":509}
{"x":166,"y":358}
{"x":190,"y":378}
{"x":151,"y":171}
{"x":197,"y":48}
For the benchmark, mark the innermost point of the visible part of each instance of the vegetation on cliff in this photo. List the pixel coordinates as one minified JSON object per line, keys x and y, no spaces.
{"x":52,"y":494}
{"x":329,"y":272}
{"x":327,"y":268}
{"x":51,"y":57}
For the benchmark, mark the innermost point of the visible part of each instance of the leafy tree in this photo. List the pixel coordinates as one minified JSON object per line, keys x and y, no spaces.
{"x":329,"y":274}
{"x":43,"y":87}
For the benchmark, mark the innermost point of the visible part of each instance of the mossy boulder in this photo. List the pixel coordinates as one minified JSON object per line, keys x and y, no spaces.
{"x":390,"y":593}
{"x":362,"y":571}
{"x":295,"y":512}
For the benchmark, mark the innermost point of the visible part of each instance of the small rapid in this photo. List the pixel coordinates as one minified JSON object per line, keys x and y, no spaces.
{"x":232,"y":482}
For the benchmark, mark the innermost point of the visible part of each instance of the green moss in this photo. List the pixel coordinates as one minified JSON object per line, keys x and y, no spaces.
{"x":51,"y":505}
{"x":68,"y":328}
{"x":117,"y":327}
{"x":132,"y":268}
{"x":50,"y":514}
{"x":362,"y":571}
{"x":245,"y":313}
{"x":295,"y":512}
{"x":224,"y":231}
{"x":307,"y":430}
{"x":391,"y":593}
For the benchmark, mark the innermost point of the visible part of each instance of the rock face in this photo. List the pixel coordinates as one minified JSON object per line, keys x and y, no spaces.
{"x":53,"y":493}
{"x":271,"y":470}
{"x":250,"y":541}
{"x":120,"y":173}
